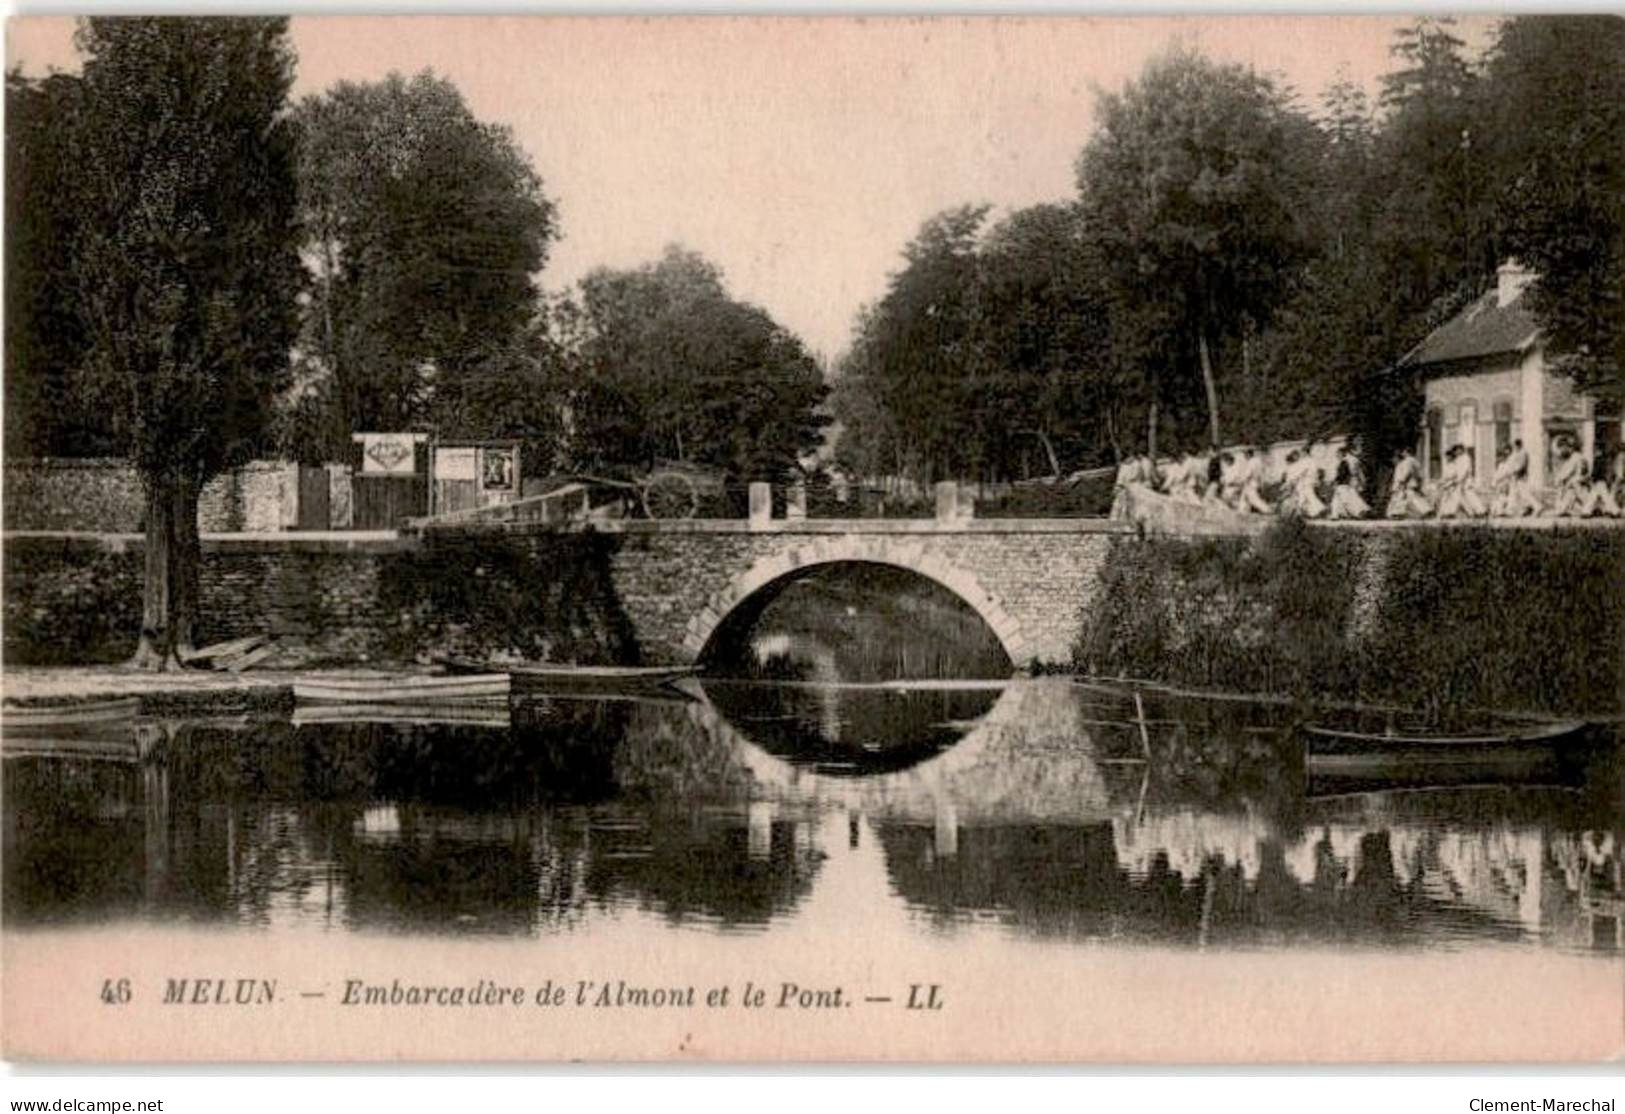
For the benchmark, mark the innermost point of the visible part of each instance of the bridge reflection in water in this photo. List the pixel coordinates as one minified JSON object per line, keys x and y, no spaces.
{"x":1028,"y":818}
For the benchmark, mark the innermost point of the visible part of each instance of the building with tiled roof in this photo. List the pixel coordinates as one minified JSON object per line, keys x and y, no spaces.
{"x":1487,"y":383}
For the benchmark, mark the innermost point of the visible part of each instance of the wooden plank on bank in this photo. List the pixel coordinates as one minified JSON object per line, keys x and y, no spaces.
{"x":223,"y":649}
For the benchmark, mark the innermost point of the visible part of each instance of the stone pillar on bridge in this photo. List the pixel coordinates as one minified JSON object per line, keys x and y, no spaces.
{"x":761,"y":505}
{"x":795,"y":501}
{"x":955,"y":502}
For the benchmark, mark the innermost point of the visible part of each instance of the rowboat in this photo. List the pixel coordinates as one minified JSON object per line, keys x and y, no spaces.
{"x":1337,"y":757}
{"x":403,"y":690}
{"x":15,"y":718}
{"x":543,"y":677}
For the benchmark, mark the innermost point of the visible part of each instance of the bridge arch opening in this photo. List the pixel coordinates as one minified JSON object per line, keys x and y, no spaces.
{"x":885,"y":616}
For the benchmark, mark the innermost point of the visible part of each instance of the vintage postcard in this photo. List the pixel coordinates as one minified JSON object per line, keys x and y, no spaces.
{"x":1083,"y":539}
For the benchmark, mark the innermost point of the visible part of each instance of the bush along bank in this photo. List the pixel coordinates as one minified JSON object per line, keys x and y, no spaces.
{"x":544,"y":597}
{"x":1443,"y":620}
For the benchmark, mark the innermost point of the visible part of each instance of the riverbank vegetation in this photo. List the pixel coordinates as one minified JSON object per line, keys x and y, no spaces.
{"x":1444,"y":621}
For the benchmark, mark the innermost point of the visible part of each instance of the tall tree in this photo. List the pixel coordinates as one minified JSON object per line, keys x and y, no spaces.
{"x":1556,"y":107}
{"x":189,"y":265}
{"x":425,"y":228}
{"x":48,"y":411}
{"x":1039,"y":344}
{"x":1197,"y":187}
{"x":673,"y":367}
{"x":914,"y":350}
{"x":1434,"y":230}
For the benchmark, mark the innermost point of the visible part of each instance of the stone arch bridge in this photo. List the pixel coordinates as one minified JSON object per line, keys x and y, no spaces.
{"x":1029,"y":579}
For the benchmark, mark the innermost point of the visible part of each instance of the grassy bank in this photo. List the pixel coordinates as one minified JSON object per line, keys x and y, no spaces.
{"x":1445,"y":620}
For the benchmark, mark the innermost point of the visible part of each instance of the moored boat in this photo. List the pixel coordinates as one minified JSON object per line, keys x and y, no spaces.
{"x":403,"y":690}
{"x":1345,"y":759}
{"x":541,"y":676}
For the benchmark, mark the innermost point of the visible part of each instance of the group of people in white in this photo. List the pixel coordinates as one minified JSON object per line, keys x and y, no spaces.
{"x":1576,"y":490}
{"x":1312,"y":483}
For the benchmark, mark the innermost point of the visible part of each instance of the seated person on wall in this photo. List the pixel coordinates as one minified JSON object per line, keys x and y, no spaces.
{"x":1135,"y":471}
{"x":1249,"y":474}
{"x":1196,"y":468}
{"x":1405,"y":498}
{"x":1346,"y":484}
{"x":1301,"y":499}
{"x":1513,"y":497}
{"x":1128,"y":472}
{"x":1172,"y":478}
{"x":1457,"y":495}
{"x":1571,"y":484}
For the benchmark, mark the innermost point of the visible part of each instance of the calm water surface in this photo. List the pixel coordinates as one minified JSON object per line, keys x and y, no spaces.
{"x":790,"y":793}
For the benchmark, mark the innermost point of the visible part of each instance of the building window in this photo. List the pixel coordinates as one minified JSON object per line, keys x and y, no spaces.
{"x":1503,"y":426}
{"x":1435,"y":442}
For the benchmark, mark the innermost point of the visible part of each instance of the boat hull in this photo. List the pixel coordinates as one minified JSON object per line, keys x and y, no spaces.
{"x":1347,"y":761}
{"x":602,"y":679}
{"x":416,"y":690}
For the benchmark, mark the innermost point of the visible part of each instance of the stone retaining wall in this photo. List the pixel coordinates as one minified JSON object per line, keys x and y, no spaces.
{"x":104,"y":495}
{"x":77,"y":599}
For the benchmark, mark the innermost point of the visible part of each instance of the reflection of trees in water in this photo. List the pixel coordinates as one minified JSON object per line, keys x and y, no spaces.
{"x":669,"y":808}
{"x":72,"y":840}
{"x":433,"y":828}
{"x":733,"y":867}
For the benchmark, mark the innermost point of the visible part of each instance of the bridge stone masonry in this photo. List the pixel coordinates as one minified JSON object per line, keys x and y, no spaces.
{"x":1029,"y":579}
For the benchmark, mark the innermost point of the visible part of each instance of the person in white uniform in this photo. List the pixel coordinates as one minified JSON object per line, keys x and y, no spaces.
{"x":1128,"y":472}
{"x":1457,"y":495}
{"x":1514,"y":499}
{"x":1302,"y":481}
{"x":1405,"y":498}
{"x":1571,"y":483}
{"x":1603,"y":500}
{"x":1250,"y":473}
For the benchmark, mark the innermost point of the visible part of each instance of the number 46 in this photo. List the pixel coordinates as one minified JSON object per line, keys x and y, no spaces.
{"x":115,"y":993}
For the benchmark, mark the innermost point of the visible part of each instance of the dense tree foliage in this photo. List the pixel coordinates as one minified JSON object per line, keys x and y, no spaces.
{"x":1230,"y":253}
{"x":186,"y":264}
{"x":671,"y":367}
{"x":1557,"y":120}
{"x":1234,"y":265}
{"x":46,"y":414}
{"x":425,"y":228}
{"x":1198,"y":181}
{"x":988,"y":357}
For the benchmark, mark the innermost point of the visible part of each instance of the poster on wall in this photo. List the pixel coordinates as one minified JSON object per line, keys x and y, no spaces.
{"x":392,"y":454}
{"x":498,"y":469}
{"x":454,"y":464}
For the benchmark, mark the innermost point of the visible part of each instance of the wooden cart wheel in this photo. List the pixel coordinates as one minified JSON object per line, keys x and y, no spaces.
{"x":670,"y":495}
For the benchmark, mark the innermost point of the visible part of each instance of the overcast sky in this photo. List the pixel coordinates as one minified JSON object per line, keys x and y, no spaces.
{"x":798,"y":154}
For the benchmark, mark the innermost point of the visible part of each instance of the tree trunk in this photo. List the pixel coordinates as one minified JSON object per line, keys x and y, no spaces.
{"x":186,"y":564}
{"x":1049,"y":451}
{"x":1151,"y":430}
{"x":156,"y":649}
{"x":1212,"y":390}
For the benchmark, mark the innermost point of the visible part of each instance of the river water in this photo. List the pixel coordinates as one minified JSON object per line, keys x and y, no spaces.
{"x":811,"y":777}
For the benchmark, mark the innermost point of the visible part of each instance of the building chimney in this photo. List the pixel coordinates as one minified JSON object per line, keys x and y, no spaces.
{"x":1510,"y":279}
